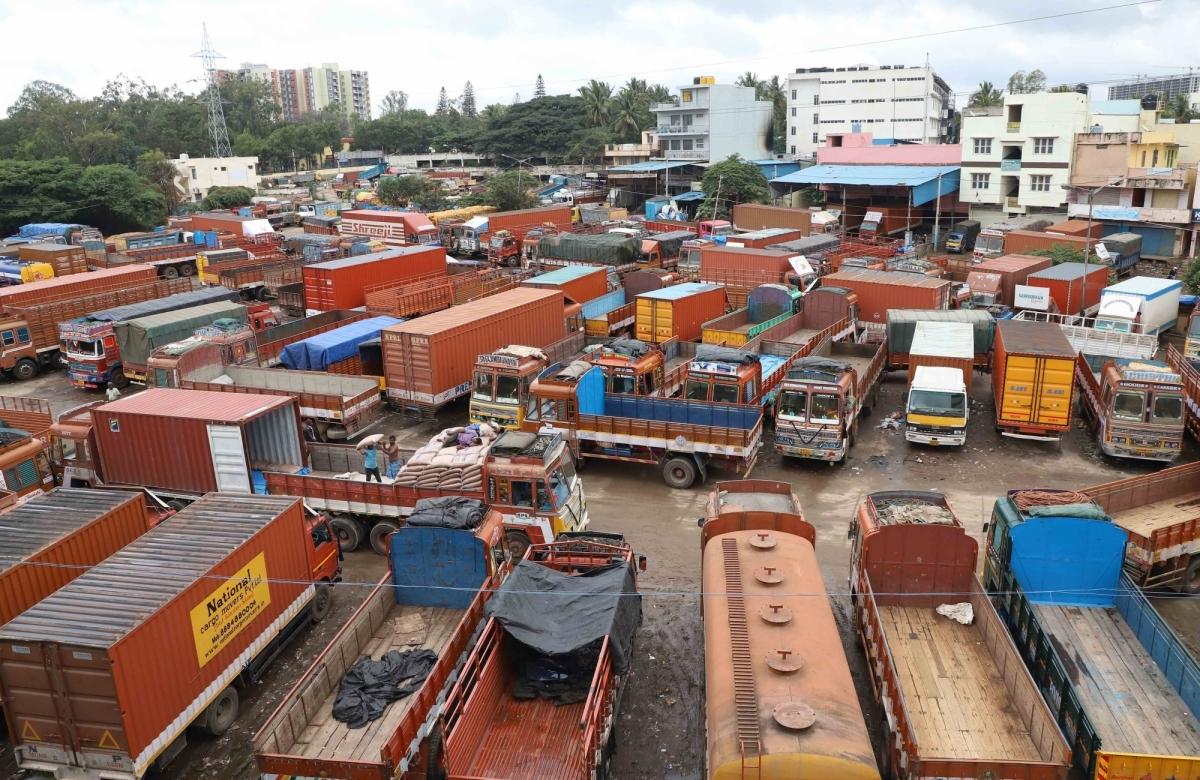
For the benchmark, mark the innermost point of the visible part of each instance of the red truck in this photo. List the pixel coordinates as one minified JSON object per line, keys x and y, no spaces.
{"x":473,"y":236}
{"x":486,"y":720}
{"x":221,"y":589}
{"x":395,"y":228}
{"x":994,"y":281}
{"x":931,"y":634}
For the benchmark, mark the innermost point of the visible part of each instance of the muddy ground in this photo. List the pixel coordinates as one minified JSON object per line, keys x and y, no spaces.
{"x":661,"y":726}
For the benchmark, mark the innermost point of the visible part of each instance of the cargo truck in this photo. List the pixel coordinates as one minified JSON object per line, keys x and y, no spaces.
{"x":261,"y":281}
{"x":500,"y":383}
{"x":1161,"y":512}
{"x":1191,"y":342}
{"x":270,"y":343}
{"x":994,"y":281}
{"x":1033,"y":380}
{"x":25,"y":468}
{"x":89,"y":343}
{"x":634,"y":367}
{"x":822,"y":397}
{"x":396,"y":228}
{"x":901,"y":328}
{"x":879,"y":291}
{"x":503,"y":687}
{"x":1142,"y":304}
{"x":680,"y":437}
{"x":958,"y":701}
{"x":937,"y":411}
{"x":961,"y":238}
{"x":513,"y":470}
{"x":1075,"y":288}
{"x":137,"y":338}
{"x":774,"y":665}
{"x":742,"y":325}
{"x":341,"y":284}
{"x":471,"y":237}
{"x":1116,"y":677}
{"x":334,"y":350}
{"x":220,"y":590}
{"x":1189,"y":373}
{"x":1135,"y":407}
{"x":179,"y":444}
{"x":446,"y":600}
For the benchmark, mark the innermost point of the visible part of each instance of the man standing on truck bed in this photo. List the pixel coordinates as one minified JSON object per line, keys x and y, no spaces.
{"x":392,"y":450}
{"x":371,"y":463}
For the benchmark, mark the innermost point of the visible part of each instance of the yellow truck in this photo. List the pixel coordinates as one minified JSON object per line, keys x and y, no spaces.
{"x":1033,"y":379}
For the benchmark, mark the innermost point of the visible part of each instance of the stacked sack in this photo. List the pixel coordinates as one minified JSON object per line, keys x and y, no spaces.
{"x":451,"y":460}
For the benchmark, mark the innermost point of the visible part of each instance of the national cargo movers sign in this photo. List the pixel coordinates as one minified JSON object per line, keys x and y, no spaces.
{"x":231,"y":607}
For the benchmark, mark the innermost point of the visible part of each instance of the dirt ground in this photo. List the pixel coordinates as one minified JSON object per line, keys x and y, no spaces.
{"x":661,"y":726}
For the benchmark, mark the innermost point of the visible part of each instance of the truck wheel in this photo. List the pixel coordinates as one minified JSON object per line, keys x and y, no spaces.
{"x":380,"y":534}
{"x":348,"y":532}
{"x":176,"y":504}
{"x":222,"y":713}
{"x":680,"y":473}
{"x":433,"y":756}
{"x":1191,"y":577}
{"x":322,"y":602}
{"x":25,"y":369}
{"x":187,"y":269}
{"x":515,"y":543}
{"x":170,"y":272}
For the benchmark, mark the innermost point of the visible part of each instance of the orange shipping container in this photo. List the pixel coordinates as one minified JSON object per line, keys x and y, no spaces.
{"x":679,"y":311}
{"x":53,"y":538}
{"x":155,"y":634}
{"x":1033,"y":379}
{"x":1022,"y":242}
{"x":755,"y":216}
{"x":1078,"y":227}
{"x":579,"y":283}
{"x":67,"y":287}
{"x":878,"y":291}
{"x":341,"y":284}
{"x":66,"y":259}
{"x":428,"y":360}
{"x":1013,"y":270}
{"x":761,"y":239}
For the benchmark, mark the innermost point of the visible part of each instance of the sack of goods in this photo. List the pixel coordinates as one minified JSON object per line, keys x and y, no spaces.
{"x":452,"y":460}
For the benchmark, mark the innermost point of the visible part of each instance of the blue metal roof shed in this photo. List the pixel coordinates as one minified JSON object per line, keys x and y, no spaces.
{"x":773,"y":169}
{"x":923,"y":180}
{"x":688,"y":197}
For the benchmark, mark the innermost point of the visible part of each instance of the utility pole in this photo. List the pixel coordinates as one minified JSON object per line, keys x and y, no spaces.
{"x":216,"y":113}
{"x":937,"y":214}
{"x":717,"y":199}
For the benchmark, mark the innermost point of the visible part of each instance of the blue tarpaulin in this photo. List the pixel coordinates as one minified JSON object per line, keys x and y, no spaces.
{"x":1068,"y":560}
{"x":34,"y":229}
{"x":317,"y":352}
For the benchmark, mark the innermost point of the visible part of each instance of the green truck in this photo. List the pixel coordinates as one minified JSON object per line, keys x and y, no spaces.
{"x":138,"y":338}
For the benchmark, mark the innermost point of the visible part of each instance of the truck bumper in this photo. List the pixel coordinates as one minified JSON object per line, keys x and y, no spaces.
{"x":813,"y":453}
{"x":1138,"y":453}
{"x":935,"y":440}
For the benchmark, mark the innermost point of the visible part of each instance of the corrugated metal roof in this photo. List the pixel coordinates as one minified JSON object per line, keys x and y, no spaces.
{"x":148,"y":573}
{"x":1034,"y":338}
{"x":401,"y":251}
{"x":871,"y":175}
{"x":196,"y":404}
{"x":46,"y":518}
{"x":885,"y":277}
{"x":1145,"y":285}
{"x":688,"y":197}
{"x":677,"y":291}
{"x":1066,"y":271}
{"x":650,"y":166}
{"x":567,"y":274}
{"x":451,"y":318}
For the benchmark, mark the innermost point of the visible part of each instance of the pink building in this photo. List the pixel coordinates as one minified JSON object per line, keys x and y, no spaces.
{"x":863,"y":149}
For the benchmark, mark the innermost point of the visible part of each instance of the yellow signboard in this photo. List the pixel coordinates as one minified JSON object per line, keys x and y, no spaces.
{"x":231,"y":607}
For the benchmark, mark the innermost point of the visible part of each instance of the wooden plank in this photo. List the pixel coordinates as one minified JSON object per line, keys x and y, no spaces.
{"x":1148,"y":518}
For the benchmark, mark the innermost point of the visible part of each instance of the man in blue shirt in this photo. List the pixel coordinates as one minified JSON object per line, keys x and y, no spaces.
{"x":371,"y":463}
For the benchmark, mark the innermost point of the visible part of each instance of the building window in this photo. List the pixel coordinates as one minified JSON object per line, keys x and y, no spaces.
{"x":814,"y":138}
{"x":793,"y":110}
{"x":687,"y":144}
{"x":793,"y":94}
{"x":815,"y":119}
{"x":686,"y":95}
{"x":980,"y":181}
{"x":1154,"y":159}
{"x":793,"y":149}
{"x":983,"y":146}
{"x":1039,"y":183}
{"x":1043,"y":146}
{"x":793,"y":129}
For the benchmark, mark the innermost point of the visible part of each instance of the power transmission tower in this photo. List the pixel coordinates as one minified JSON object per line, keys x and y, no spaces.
{"x":216,"y":114}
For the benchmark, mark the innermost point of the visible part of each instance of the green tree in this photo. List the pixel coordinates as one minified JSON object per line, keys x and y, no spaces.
{"x":443,"y":103}
{"x":1069,"y":88}
{"x":658,"y":94}
{"x":747,"y":79}
{"x":546,"y":126}
{"x":630,"y":115}
{"x":729,"y":182}
{"x":117,"y":200}
{"x":597,"y":101}
{"x":407,"y":190}
{"x":394,"y":102}
{"x":228,"y":197}
{"x":1180,"y":109}
{"x":1064,"y":253}
{"x":492,"y":112}
{"x":157,"y":171}
{"x":986,"y":95}
{"x":772,"y":90}
{"x":1191,"y":276}
{"x":588,"y":145}
{"x":510,"y":190}
{"x":249,"y":106}
{"x":466,"y":104}
{"x":1022,"y":83}
{"x":111,"y":197}
{"x":539,"y":88}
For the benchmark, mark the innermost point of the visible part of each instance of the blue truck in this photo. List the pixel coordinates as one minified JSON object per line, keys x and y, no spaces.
{"x":1123,"y":687}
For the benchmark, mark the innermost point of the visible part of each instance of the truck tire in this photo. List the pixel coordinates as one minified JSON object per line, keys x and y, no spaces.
{"x":170,"y":272}
{"x":680,"y":473}
{"x":348,"y":533}
{"x":221,"y":713}
{"x":25,"y":369}
{"x":515,"y":544}
{"x":322,"y":602}
{"x":187,"y":269}
{"x":380,"y":532}
{"x":433,"y":756}
{"x":1191,"y":577}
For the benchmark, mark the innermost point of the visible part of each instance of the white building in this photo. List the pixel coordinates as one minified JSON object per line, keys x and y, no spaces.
{"x":889,"y":101}
{"x":197,"y":175}
{"x":710,"y":121}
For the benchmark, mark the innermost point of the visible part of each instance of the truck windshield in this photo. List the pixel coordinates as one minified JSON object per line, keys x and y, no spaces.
{"x":1168,"y":408}
{"x":1129,"y":406}
{"x":508,"y":389}
{"x":725,"y":392}
{"x":1115,"y":325}
{"x":937,"y":402}
{"x":560,"y":487}
{"x":622,"y":383}
{"x":824,"y":407}
{"x":989,"y":243}
{"x":793,"y":403}
{"x":485,"y":385}
{"x":1194,"y":328}
{"x":696,"y":390}
{"x":84,"y":348}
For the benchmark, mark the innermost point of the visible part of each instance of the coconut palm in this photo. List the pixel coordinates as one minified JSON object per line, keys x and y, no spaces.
{"x":628,"y":114}
{"x":747,"y":79}
{"x":986,"y":95}
{"x":597,"y":101}
{"x":658,"y":94}
{"x":636,"y":86}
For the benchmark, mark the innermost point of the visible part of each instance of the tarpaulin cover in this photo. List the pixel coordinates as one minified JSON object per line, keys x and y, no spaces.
{"x":34,"y":229}
{"x":370,"y":686}
{"x":820,"y":369}
{"x":1068,"y":560}
{"x":170,"y":303}
{"x":628,"y":347}
{"x":606,"y":248}
{"x":710,"y":353}
{"x":137,"y":338}
{"x":561,"y":615}
{"x":317,"y":352}
{"x":448,"y":512}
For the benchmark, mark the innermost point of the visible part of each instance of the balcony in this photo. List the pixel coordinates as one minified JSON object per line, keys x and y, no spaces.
{"x":1181,"y":217}
{"x":1010,"y":166}
{"x":1157,"y":178}
{"x":678,"y":105}
{"x":685,"y":154}
{"x":1014,"y":127}
{"x":692,"y":129}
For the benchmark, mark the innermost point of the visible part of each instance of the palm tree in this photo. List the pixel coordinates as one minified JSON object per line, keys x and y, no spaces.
{"x":1179,"y":108}
{"x":597,"y":101}
{"x":658,"y":94}
{"x":636,"y":86}
{"x":747,"y":79}
{"x":627,"y":114}
{"x":986,"y":95}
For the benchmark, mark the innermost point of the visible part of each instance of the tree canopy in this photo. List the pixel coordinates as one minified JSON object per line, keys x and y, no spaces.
{"x":228,"y":197}
{"x":986,"y":95}
{"x":408,"y":191}
{"x":1022,"y":83}
{"x":729,"y":182}
{"x":510,"y":190}
{"x":111,"y":197}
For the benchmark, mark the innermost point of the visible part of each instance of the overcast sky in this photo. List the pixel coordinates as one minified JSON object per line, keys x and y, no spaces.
{"x":501,"y":47}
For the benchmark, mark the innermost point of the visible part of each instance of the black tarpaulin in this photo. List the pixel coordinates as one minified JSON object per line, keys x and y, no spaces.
{"x":560,"y":615}
{"x":711,"y":353}
{"x":629,"y":347}
{"x":448,"y":512}
{"x":370,"y":685}
{"x":821,"y":368}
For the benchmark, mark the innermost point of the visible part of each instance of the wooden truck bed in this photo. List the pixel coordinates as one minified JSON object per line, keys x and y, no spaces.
{"x":1131,"y":704}
{"x":1148,"y":518}
{"x":957,"y":701}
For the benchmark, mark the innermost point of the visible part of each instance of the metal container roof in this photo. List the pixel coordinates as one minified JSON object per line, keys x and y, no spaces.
{"x":196,"y":404}
{"x":456,"y":316}
{"x":1067,"y":271}
{"x":944,"y":339}
{"x":44,"y":519}
{"x":919,"y":177}
{"x":1034,"y":338}
{"x":1146,"y":286}
{"x":563,"y":275}
{"x":346,"y":262}
{"x":677,"y":291}
{"x":148,"y":573}
{"x":885,"y":277}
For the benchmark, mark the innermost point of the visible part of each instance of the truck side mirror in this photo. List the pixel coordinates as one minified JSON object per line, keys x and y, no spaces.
{"x":641,"y":563}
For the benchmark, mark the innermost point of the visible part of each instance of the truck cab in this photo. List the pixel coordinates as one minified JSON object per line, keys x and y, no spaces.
{"x":501,"y":384}
{"x":987,"y":289}
{"x":726,"y":375}
{"x":630,"y":369}
{"x":1191,"y":341}
{"x":990,"y":242}
{"x":504,"y":249}
{"x":962,"y":237}
{"x":821,"y":398}
{"x":18,"y":355}
{"x":89,"y":348}
{"x":73,"y":448}
{"x":937,"y":408}
{"x":711,"y":228}
{"x":1136,"y":406}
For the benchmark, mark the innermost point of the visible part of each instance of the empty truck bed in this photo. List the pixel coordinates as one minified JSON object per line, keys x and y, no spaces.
{"x":1131,"y":704}
{"x":1144,"y":520}
{"x":801,"y":336}
{"x":957,"y":701}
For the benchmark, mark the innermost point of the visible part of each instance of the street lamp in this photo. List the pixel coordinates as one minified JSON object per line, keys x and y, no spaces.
{"x":1087,"y":248}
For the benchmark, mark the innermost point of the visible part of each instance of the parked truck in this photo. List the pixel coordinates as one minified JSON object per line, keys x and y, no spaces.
{"x":395,"y":228}
{"x":500,"y":385}
{"x":301,"y":739}
{"x":270,"y":342}
{"x":137,"y":338}
{"x":961,"y":238}
{"x":1189,"y":373}
{"x":1191,"y":340}
{"x":680,"y":437}
{"x":220,"y":590}
{"x":503,"y":688}
{"x":1074,"y":288}
{"x":1142,"y":304}
{"x":994,"y":281}
{"x":529,"y":479}
{"x":1116,"y":677}
{"x":90,"y":343}
{"x":1135,"y":407}
{"x":1033,"y":380}
{"x":937,"y":408}
{"x":901,"y":329}
{"x":472,"y":237}
{"x":879,"y":291}
{"x":931,"y":635}
{"x":636,"y":368}
{"x":818,"y":406}
{"x":1161,"y":512}
{"x":24,"y":435}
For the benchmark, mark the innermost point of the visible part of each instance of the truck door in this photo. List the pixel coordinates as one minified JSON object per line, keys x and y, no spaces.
{"x":229,"y":458}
